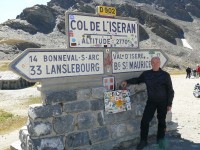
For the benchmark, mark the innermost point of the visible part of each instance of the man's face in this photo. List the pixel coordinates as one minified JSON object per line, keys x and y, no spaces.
{"x":155,"y":63}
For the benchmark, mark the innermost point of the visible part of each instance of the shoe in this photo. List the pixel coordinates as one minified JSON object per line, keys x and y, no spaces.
{"x":141,"y":145}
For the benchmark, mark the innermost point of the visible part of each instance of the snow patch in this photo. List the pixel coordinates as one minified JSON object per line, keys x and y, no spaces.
{"x":186,"y":44}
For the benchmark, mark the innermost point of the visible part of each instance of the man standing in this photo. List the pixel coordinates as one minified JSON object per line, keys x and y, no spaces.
{"x":188,"y":72}
{"x":160,"y":95}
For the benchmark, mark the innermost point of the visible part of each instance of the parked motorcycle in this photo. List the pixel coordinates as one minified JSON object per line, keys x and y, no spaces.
{"x":196,"y":91}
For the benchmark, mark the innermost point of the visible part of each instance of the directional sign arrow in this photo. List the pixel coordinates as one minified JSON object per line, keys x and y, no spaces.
{"x":140,"y":60}
{"x":37,"y":64}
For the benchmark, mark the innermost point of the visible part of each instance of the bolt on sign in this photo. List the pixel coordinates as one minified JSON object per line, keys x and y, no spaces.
{"x":86,"y":30}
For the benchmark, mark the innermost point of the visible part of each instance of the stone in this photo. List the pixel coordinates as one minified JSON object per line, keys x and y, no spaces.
{"x":85,"y":121}
{"x":77,"y":106}
{"x":118,"y":130}
{"x":37,"y":129}
{"x":84,"y":94}
{"x":99,"y":134}
{"x":97,"y":104}
{"x":98,"y":92}
{"x":41,"y":16}
{"x":77,"y":139}
{"x":100,"y":118}
{"x":43,"y":111}
{"x":52,"y":143}
{"x":63,"y":124}
{"x":61,"y":96}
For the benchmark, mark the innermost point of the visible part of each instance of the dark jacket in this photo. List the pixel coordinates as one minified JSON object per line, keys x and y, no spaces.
{"x":188,"y":70}
{"x":159,"y":85}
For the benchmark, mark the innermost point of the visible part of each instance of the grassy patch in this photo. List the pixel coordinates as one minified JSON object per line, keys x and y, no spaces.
{"x":4,"y":65}
{"x":4,"y":115}
{"x":11,"y":41}
{"x":10,"y":122}
{"x":32,"y":100}
{"x":174,"y":71}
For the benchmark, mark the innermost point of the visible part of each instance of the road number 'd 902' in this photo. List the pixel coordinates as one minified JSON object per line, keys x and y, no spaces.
{"x":109,"y":10}
{"x":104,"y":10}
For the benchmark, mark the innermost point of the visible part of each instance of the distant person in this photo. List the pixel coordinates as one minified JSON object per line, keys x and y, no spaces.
{"x":160,"y":95}
{"x":188,"y":72}
{"x":194,"y":72}
{"x":198,"y":71}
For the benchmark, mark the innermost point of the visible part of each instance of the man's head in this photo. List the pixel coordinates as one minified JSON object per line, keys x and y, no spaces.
{"x":155,"y":63}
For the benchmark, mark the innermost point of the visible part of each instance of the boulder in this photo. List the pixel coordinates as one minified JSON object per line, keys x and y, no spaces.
{"x":21,"y":24}
{"x":40,"y":16}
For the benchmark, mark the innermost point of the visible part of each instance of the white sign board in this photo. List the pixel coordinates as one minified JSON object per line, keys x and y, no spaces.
{"x":43,"y":64}
{"x":95,"y":31}
{"x":128,"y":61}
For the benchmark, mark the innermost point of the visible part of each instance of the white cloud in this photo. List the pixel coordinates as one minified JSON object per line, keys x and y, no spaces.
{"x":29,"y":0}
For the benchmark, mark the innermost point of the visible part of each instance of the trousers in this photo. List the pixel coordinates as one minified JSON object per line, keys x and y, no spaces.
{"x":148,"y":114}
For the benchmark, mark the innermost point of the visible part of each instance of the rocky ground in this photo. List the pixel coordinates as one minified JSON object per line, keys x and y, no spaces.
{"x":185,"y":112}
{"x":186,"y":108}
{"x":14,"y":101}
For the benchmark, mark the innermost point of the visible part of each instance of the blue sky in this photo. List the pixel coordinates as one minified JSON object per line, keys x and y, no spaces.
{"x":9,"y":9}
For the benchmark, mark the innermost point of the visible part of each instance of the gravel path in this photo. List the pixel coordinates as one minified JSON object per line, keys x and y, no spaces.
{"x":186,"y":108}
{"x":14,"y":101}
{"x":185,"y":111}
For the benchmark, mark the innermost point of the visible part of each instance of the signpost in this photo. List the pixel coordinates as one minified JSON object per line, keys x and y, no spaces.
{"x":93,"y":31}
{"x":97,"y":47}
{"x":102,"y":51}
{"x":37,"y":64}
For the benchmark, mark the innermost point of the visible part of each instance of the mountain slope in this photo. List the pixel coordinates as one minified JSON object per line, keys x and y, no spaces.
{"x":163,"y":24}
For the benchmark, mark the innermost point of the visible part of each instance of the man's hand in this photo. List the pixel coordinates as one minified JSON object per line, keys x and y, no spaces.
{"x":169,"y":108}
{"x":123,"y":84}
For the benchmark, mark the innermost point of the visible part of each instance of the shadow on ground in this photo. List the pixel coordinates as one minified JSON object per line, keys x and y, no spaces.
{"x":173,"y":142}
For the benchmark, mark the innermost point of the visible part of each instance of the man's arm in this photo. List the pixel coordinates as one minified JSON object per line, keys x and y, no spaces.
{"x":137,"y":80}
{"x":170,"y":91}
